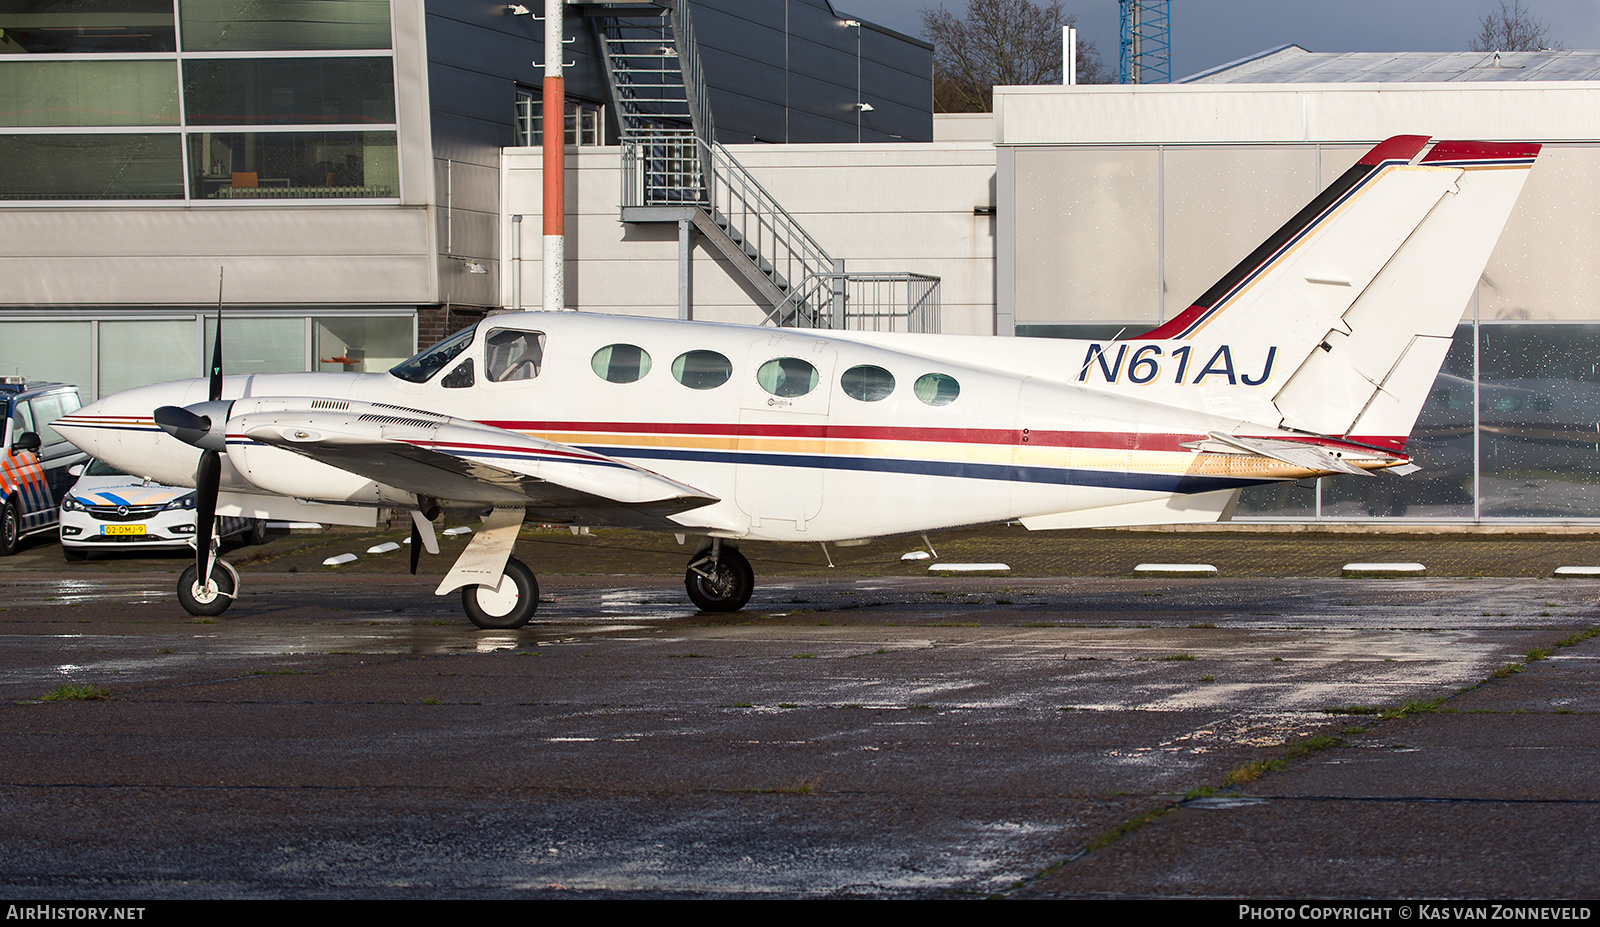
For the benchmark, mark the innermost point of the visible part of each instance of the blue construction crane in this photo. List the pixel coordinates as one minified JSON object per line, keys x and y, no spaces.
{"x":1146,"y":56}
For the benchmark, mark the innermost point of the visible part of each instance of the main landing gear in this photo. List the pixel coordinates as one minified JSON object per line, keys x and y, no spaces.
{"x":719,"y":578}
{"x":506,"y":606}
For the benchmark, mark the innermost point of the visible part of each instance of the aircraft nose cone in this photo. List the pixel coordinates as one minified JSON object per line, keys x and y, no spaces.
{"x":80,"y":429}
{"x":120,"y":429}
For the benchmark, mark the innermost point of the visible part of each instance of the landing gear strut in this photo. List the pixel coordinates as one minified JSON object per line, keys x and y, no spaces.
{"x":719,"y":579}
{"x":506,"y":606}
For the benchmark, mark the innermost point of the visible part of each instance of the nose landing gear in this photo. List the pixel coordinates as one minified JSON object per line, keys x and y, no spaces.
{"x":719,"y":579}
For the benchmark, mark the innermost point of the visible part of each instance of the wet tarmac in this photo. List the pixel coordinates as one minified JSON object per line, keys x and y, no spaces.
{"x":349,"y":735}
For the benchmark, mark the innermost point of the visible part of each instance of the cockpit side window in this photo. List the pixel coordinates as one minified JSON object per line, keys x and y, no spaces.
{"x":459,"y":378}
{"x":422,"y":367}
{"x":512,"y":355}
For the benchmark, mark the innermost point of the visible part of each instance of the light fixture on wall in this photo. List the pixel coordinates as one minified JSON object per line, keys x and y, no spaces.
{"x":517,"y":9}
{"x":864,"y":107}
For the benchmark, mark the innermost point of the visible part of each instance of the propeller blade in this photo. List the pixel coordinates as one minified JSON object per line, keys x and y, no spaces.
{"x":416,"y":546}
{"x":208,"y":480}
{"x":216,"y":347}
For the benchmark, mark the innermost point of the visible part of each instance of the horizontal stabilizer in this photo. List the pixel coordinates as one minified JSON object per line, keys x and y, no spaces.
{"x":1294,"y":453}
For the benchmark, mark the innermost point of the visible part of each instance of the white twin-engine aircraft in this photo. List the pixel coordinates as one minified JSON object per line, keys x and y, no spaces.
{"x":1311,"y":357}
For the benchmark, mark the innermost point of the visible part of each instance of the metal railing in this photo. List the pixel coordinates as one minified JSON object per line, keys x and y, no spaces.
{"x":874,"y":302}
{"x":682,"y":170}
{"x":886,"y":302}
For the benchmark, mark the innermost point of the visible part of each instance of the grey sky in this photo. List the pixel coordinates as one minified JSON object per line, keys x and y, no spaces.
{"x":1206,"y":33}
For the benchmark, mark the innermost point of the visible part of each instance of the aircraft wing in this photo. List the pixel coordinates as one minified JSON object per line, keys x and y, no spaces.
{"x":459,"y":461}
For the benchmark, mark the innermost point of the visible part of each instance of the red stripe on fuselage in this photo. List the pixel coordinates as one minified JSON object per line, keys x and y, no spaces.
{"x":1002,"y":436}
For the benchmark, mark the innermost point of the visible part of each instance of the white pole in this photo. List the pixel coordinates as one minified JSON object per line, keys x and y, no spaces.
{"x":555,"y":168}
{"x":1069,"y":55}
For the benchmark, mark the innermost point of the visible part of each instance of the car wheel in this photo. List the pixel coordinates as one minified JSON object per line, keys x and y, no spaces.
{"x":202,"y":601}
{"x":257,"y":535}
{"x":506,"y":606}
{"x":10,"y":528}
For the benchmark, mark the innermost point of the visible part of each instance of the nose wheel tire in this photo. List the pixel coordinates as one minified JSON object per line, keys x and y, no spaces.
{"x":506,"y":606}
{"x":724,"y":587}
{"x":208,"y":600}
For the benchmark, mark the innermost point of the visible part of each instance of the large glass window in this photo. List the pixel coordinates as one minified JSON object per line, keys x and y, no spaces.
{"x":64,"y":167}
{"x":54,"y":27}
{"x":586,"y":122}
{"x":139,"y":353}
{"x":1539,"y":424}
{"x":258,"y":345}
{"x":125,"y":70}
{"x":288,"y":91}
{"x":1441,"y":444}
{"x":293,"y":165}
{"x":284,"y":25}
{"x":56,"y":351}
{"x":359,"y":344}
{"x":88,"y":92}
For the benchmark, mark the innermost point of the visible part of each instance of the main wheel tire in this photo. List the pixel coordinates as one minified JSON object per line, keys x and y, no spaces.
{"x":200,"y":601}
{"x":507,"y":606}
{"x":728,"y":587}
{"x":10,"y":528}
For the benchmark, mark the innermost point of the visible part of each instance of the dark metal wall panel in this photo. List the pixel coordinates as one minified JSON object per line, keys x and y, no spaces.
{"x":787,"y":71}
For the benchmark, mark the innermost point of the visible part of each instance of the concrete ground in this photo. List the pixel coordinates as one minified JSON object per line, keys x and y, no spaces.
{"x":870,"y":730}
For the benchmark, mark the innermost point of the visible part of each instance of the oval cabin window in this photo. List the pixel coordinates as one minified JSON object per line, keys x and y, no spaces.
{"x":787,"y":377}
{"x":937,"y":389}
{"x":867,"y":383}
{"x":701,"y":369}
{"x":620,"y":363}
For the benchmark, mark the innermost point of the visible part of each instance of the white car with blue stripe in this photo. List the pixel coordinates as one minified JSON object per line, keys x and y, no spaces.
{"x":108,"y":510}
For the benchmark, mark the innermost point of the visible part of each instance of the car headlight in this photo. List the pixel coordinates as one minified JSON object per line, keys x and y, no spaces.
{"x":69,"y":504}
{"x":182,"y":502}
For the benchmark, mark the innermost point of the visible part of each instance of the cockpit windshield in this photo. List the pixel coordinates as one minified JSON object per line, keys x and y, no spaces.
{"x":422,"y":367}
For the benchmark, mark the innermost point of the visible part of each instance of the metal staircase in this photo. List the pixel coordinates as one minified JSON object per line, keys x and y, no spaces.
{"x":674,"y":170}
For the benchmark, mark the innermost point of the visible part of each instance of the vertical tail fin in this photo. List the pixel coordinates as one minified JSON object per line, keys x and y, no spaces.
{"x":1347,"y":311}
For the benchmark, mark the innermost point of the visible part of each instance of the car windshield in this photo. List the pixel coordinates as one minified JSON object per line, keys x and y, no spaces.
{"x":423,"y":366}
{"x":101,"y":468}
